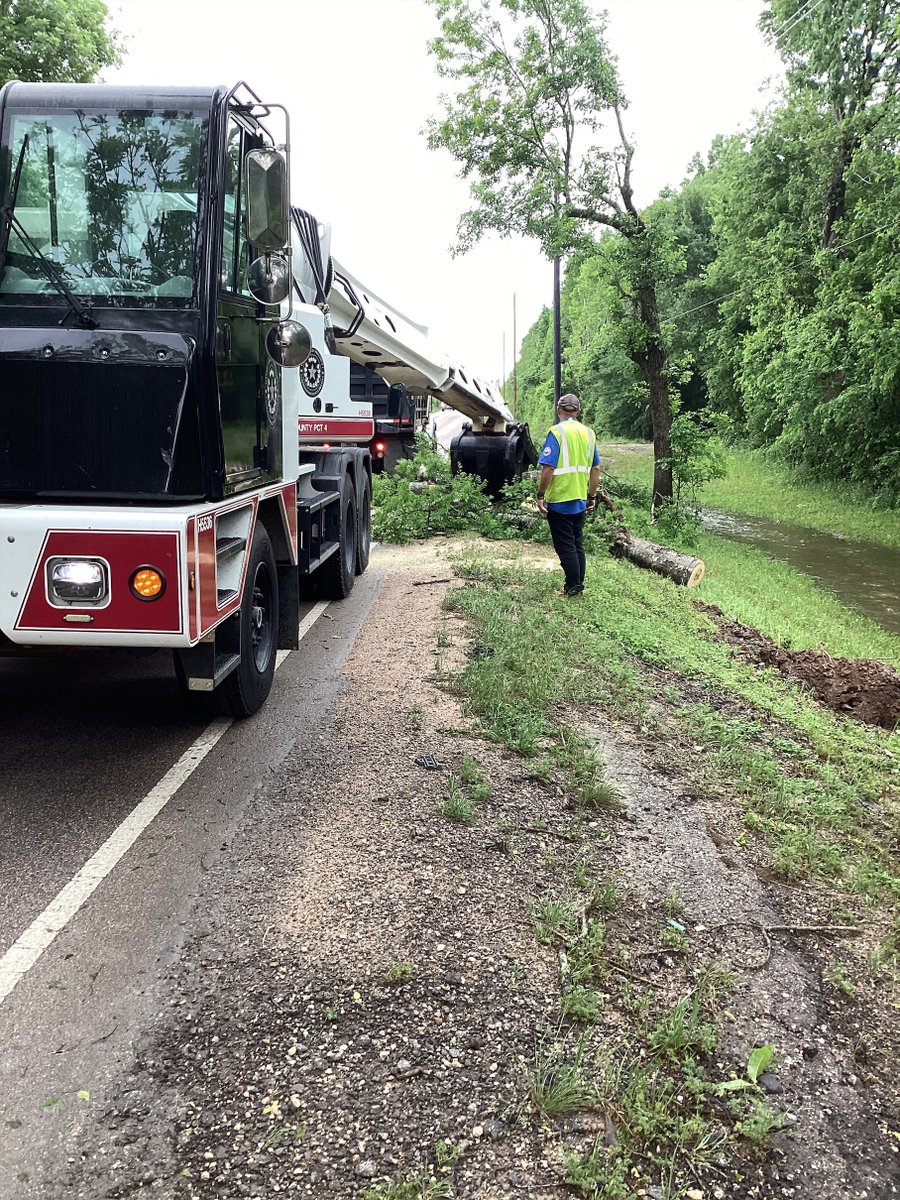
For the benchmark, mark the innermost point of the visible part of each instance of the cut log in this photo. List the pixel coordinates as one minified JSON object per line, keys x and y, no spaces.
{"x":685,"y":569}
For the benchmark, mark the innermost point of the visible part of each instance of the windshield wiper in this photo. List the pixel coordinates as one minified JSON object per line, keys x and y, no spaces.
{"x":11,"y":221}
{"x":82,"y":311}
{"x":10,"y":208}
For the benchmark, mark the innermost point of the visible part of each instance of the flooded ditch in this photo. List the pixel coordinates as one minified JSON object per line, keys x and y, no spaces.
{"x":862,"y":575}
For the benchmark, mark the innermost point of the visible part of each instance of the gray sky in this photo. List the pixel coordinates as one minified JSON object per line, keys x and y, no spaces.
{"x":360,"y":85}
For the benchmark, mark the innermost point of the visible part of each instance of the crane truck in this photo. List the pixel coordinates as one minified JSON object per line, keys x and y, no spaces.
{"x":187,"y":385}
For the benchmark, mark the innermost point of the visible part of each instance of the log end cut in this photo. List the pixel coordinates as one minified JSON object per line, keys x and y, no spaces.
{"x":697,"y":574}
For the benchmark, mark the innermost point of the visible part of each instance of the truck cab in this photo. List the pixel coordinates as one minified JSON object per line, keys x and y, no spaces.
{"x":154,"y":367}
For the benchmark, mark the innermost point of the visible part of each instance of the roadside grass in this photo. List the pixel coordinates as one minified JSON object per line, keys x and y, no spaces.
{"x":763,"y":487}
{"x":640,"y":1056}
{"x":751,"y":587}
{"x":819,"y":790}
{"x":465,"y":790}
{"x":400,"y":972}
{"x":432,"y":1181}
{"x":786,"y":604}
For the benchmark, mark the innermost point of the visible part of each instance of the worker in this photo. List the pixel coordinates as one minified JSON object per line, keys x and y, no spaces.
{"x":567,"y":489}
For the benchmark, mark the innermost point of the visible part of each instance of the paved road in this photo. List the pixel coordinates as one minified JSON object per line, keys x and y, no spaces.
{"x":449,"y":423}
{"x":84,"y":739}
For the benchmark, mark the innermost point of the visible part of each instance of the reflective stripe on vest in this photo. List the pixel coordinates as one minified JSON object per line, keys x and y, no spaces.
{"x":576,"y":457}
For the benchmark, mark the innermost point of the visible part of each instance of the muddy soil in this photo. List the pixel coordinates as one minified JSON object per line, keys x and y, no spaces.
{"x":365,"y":985}
{"x":863,"y":688}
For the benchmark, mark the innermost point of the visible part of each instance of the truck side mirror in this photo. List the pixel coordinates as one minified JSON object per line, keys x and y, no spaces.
{"x":269,"y":279}
{"x":266,"y":191}
{"x":288,"y":344}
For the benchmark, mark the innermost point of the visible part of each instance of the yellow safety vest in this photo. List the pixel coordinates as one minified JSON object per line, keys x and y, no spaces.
{"x":576,"y":457}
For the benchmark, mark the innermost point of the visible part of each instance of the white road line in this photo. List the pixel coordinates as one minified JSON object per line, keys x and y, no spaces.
{"x":25,"y":952}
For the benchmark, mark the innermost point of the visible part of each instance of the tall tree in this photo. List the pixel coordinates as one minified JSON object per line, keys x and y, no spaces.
{"x":55,"y":40}
{"x":536,"y":125}
{"x":847,"y":53}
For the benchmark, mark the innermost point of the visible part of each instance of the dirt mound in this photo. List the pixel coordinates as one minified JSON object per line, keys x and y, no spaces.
{"x":863,"y":688}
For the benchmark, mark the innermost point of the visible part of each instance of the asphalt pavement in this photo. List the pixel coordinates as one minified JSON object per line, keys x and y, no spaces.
{"x":84,"y":740}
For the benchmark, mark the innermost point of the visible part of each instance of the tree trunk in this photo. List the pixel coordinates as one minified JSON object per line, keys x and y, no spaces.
{"x":684,"y":569}
{"x":652,"y":364}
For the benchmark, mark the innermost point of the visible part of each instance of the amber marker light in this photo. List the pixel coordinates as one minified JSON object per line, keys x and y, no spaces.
{"x":147,"y":583}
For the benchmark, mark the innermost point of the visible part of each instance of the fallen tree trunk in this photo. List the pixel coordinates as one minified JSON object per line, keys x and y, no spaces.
{"x":684,"y":569}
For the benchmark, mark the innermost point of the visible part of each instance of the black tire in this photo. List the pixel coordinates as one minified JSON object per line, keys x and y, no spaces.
{"x":336,"y":576}
{"x":364,"y":527}
{"x":244,"y":691}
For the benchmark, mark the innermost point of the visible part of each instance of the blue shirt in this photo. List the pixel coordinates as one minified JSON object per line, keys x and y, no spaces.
{"x":549,"y":457}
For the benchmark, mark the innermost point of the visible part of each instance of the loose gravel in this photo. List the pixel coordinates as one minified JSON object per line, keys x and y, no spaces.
{"x":363,"y":999}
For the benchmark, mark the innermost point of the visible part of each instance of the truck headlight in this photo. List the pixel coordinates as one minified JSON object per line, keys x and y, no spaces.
{"x":77,"y":581}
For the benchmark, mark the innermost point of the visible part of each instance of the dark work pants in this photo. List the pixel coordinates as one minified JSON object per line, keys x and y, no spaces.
{"x":567,"y":530}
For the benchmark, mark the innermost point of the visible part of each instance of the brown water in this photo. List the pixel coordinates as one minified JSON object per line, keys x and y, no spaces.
{"x":863,"y":575}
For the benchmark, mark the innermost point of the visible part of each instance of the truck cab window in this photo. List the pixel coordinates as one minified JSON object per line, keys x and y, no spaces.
{"x":111,"y":199}
{"x":234,"y":242}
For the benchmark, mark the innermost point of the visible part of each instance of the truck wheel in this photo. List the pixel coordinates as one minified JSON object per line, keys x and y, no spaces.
{"x":337,"y":574}
{"x":244,"y":691}
{"x":364,"y":527}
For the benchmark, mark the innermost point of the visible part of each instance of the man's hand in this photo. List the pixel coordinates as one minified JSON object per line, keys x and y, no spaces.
{"x":591,"y":503}
{"x":542,"y":505}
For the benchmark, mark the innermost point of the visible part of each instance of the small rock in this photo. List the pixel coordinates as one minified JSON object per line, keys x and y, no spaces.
{"x":366,"y":1169}
{"x":809,"y":1050}
{"x":770,"y":1083}
{"x":493,"y":1130}
{"x":402,"y":1066}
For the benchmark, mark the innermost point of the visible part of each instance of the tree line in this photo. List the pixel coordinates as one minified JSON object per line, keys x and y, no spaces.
{"x":762,"y":297}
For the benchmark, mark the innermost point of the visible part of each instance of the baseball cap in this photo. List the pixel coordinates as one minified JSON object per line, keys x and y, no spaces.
{"x":569,"y":403}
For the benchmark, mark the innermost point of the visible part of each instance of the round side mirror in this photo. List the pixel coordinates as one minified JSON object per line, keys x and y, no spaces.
{"x":269,"y":279}
{"x":288,"y":343}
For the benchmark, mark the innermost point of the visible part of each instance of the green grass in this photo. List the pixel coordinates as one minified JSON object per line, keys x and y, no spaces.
{"x":557,"y":1085}
{"x":786,"y":604}
{"x":758,"y":590}
{"x":645,"y":1065}
{"x":432,"y":1181}
{"x":400,"y":972}
{"x":765,"y":488}
{"x":820,"y":789}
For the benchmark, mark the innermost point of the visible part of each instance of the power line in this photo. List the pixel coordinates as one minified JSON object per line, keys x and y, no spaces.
{"x":718,"y":300}
{"x":798,"y":16}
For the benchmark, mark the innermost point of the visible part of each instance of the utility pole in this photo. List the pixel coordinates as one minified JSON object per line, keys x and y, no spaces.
{"x":503,"y":369}
{"x":515,"y":403}
{"x":557,"y":353}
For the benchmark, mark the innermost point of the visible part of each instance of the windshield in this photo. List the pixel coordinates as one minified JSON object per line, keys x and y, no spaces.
{"x":111,"y":199}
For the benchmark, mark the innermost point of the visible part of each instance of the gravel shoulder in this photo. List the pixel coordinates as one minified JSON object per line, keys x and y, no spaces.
{"x":363,"y":999}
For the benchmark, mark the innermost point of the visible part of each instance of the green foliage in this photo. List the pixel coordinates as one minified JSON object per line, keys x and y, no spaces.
{"x":757,"y":1063}
{"x":536,"y":126}
{"x":55,"y":40}
{"x":400,"y":972}
{"x":776,"y":266}
{"x":422,"y":497}
{"x":537,"y":84}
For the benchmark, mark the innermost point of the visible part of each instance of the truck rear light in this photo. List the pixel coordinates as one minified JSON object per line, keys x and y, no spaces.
{"x":379,"y":449}
{"x":147,"y":583}
{"x":77,"y":581}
